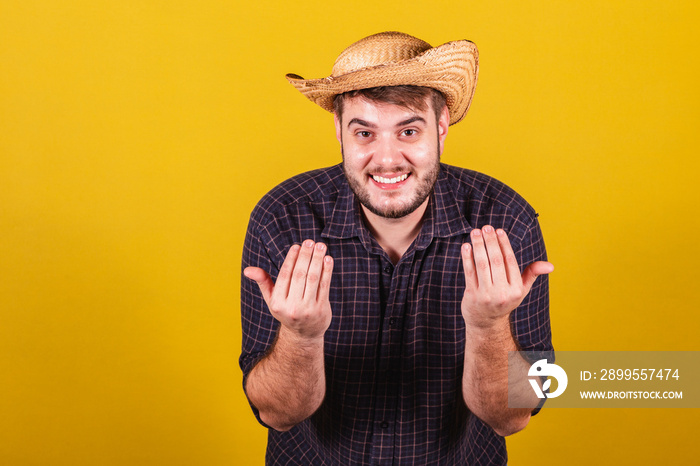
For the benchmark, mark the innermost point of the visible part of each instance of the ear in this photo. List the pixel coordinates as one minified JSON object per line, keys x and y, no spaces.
{"x":338,"y":127}
{"x":443,"y":125}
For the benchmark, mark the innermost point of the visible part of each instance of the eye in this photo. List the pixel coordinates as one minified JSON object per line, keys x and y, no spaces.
{"x":409,"y":132}
{"x":363,"y":134}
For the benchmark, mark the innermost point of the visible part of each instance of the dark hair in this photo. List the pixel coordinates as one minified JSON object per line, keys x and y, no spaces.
{"x":412,"y":97}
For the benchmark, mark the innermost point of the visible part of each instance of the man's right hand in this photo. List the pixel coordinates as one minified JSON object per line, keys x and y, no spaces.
{"x":299,"y":299}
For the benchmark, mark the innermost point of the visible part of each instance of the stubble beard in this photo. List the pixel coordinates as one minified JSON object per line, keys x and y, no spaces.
{"x":423,"y":190}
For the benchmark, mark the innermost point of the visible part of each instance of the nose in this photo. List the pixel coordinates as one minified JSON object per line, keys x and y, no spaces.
{"x":388,"y":153}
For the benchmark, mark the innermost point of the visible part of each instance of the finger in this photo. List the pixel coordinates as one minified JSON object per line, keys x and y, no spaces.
{"x":325,"y":286}
{"x":301,"y":270}
{"x":481,"y":259}
{"x":263,"y":280}
{"x":284,"y":278}
{"x":315,"y":270}
{"x":533,"y":271}
{"x":511,"y":262}
{"x":470,"y":279}
{"x":493,"y":248}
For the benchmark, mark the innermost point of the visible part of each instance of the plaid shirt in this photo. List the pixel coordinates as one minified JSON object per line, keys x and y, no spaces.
{"x":395,"y":347}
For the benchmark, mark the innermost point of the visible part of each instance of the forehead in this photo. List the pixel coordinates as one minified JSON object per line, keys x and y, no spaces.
{"x":382,"y":112}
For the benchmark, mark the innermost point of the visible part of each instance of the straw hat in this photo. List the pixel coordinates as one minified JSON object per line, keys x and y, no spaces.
{"x":394,"y":59}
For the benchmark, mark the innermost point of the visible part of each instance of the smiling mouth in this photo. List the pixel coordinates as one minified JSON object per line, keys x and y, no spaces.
{"x":394,"y":180}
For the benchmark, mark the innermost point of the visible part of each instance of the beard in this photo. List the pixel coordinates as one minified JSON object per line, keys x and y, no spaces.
{"x":424,"y":188}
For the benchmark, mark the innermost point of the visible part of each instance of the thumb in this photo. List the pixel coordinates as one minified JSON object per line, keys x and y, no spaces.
{"x":533,"y":271}
{"x":263,"y":280}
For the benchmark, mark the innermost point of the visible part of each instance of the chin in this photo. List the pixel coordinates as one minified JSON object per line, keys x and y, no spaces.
{"x":393,"y":211}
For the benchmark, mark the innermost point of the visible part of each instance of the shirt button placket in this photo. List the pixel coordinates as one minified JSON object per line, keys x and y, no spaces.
{"x":383,"y":441}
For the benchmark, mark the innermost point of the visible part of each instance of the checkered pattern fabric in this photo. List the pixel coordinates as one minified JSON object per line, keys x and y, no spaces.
{"x":395,"y":347}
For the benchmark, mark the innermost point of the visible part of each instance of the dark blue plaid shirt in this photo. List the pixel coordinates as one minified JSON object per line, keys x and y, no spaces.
{"x":395,"y":347}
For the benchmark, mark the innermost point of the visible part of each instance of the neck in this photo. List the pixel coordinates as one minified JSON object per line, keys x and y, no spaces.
{"x":395,"y":235}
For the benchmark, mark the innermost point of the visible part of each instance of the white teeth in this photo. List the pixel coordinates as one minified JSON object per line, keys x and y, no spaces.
{"x":396,"y":179}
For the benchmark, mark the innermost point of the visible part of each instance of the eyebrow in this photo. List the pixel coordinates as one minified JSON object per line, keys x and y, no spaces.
{"x":361,"y":123}
{"x":411,"y":120}
{"x":401,"y":123}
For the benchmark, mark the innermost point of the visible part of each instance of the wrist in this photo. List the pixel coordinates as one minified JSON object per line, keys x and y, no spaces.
{"x":488,"y":328}
{"x":300,"y":341}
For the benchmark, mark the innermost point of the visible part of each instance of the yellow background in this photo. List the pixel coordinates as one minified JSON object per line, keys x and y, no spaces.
{"x":137,"y":135}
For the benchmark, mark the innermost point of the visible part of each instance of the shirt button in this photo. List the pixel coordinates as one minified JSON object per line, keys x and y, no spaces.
{"x":392,"y":321}
{"x":388,"y":269}
{"x":385,"y":425}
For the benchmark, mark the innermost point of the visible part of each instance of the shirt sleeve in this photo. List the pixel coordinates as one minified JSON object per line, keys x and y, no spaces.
{"x":530,"y":322}
{"x":259,"y":328}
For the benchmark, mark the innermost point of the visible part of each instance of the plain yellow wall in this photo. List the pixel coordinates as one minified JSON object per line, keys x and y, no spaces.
{"x":137,"y":135}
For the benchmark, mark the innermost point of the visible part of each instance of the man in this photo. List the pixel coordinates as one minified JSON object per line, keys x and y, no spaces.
{"x":384,"y":294}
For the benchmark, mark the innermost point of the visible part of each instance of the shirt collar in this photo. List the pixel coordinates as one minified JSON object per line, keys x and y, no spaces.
{"x":442,"y":217}
{"x":345,"y":220}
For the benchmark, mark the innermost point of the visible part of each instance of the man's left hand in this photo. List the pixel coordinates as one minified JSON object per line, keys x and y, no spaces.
{"x":494,"y":285}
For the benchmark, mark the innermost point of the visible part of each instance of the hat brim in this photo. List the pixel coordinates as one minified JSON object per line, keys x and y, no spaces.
{"x":451,"y":68}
